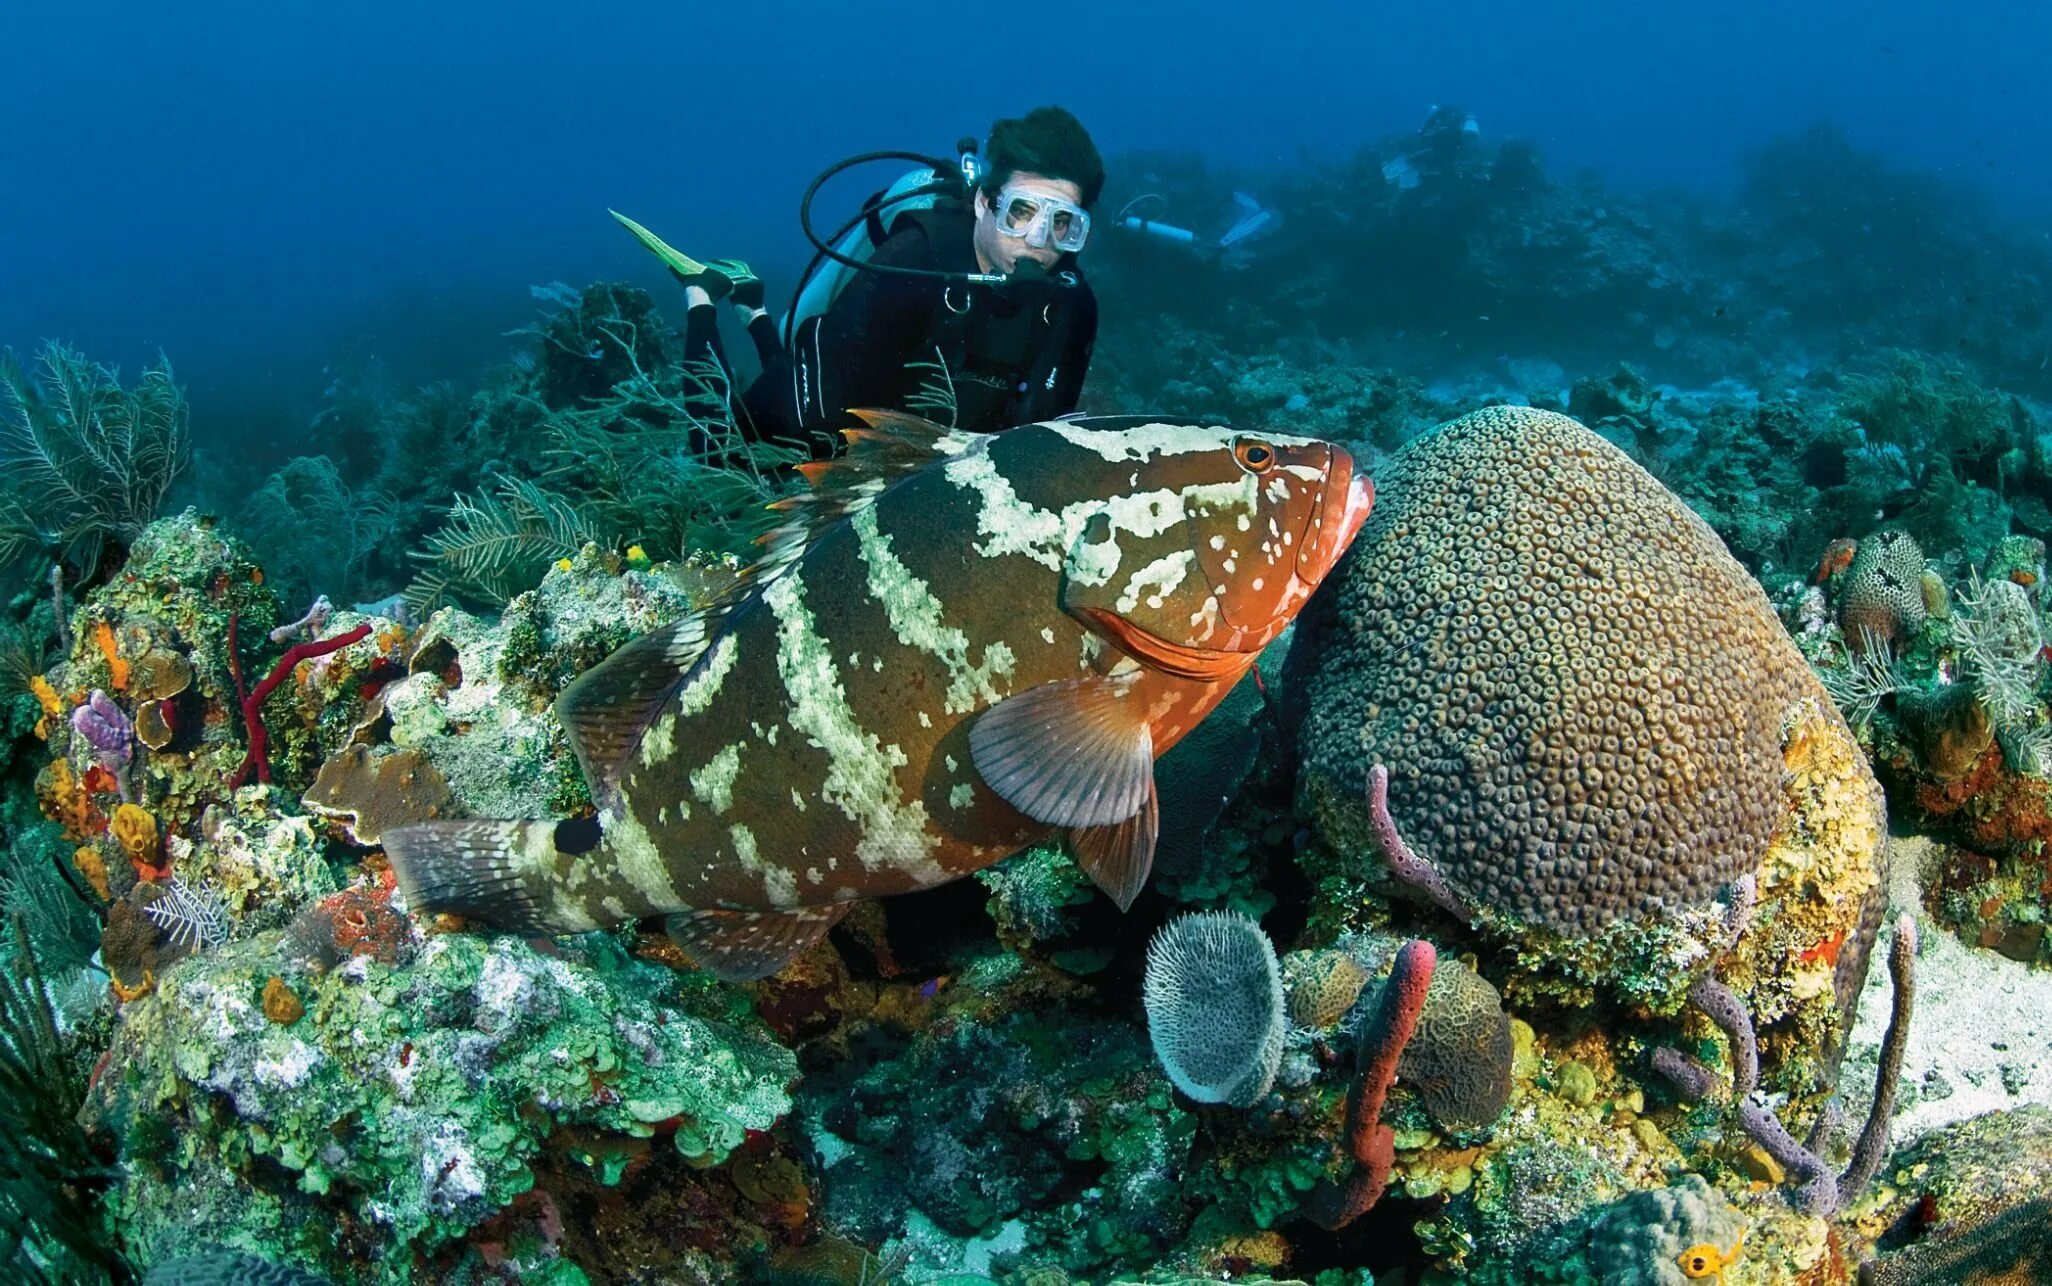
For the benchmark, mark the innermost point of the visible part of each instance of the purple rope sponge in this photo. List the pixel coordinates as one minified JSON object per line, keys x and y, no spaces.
{"x":1409,"y":867}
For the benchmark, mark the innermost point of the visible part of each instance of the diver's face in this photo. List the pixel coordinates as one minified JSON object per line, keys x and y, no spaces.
{"x":1000,"y":253}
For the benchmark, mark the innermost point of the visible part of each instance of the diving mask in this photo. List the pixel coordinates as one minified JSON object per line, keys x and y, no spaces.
{"x":1041,"y":219}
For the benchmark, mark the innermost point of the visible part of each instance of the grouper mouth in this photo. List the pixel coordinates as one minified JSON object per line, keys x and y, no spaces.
{"x":1336,"y":520}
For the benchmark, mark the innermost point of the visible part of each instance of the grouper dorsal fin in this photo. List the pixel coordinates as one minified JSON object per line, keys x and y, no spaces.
{"x":608,"y":709}
{"x":885,"y":448}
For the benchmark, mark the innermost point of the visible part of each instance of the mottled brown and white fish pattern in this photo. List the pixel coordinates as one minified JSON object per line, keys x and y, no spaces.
{"x":965,"y":643}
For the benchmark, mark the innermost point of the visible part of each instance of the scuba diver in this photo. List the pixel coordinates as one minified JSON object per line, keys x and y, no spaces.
{"x":1446,"y":141}
{"x":954,"y":294}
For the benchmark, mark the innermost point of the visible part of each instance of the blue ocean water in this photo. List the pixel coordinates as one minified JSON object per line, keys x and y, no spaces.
{"x":251,"y":186}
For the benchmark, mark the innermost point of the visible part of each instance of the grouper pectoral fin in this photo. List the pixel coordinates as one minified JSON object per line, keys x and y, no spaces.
{"x":1118,"y":857}
{"x":740,"y":946}
{"x":1074,"y":752}
{"x":607,"y":710}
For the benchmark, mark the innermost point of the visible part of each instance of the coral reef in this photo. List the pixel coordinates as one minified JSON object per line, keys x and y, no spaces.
{"x":1574,"y":919}
{"x":411,"y":1100}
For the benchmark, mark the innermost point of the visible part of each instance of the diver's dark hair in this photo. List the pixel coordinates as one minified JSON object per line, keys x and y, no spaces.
{"x":1046,"y":140}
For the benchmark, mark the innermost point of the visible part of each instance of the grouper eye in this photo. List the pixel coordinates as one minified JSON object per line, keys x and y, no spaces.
{"x":1254,"y":455}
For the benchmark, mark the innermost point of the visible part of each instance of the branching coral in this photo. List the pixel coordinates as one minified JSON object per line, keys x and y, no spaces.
{"x":252,"y":702}
{"x":86,"y":461}
{"x":1996,"y":629}
{"x":498,"y":544}
{"x":1869,"y":677}
{"x":1818,"y":1190}
{"x":189,"y":917}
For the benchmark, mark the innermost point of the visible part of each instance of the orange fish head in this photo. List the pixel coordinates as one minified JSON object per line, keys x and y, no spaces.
{"x":1217,"y":548}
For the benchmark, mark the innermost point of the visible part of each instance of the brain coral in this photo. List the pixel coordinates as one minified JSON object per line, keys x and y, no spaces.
{"x":1578,"y":692}
{"x":1884,"y":588}
{"x":1459,"y":1058}
{"x":1322,"y":986}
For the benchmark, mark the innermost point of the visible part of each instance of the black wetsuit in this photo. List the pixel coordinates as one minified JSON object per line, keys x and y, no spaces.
{"x":1008,"y":356}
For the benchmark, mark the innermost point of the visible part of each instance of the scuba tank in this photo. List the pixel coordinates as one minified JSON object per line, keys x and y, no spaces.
{"x":848,"y":251}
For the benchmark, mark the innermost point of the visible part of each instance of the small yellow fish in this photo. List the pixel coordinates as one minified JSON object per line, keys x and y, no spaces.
{"x":1705,"y":1262}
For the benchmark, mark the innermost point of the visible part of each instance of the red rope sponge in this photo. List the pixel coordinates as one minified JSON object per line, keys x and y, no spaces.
{"x":1370,"y":1143}
{"x":258,"y":757}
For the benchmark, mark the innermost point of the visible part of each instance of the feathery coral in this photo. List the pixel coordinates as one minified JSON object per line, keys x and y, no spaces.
{"x":85,"y":461}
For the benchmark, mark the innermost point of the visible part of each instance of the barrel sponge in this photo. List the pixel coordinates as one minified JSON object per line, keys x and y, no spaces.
{"x":1578,"y":692}
{"x":1215,"y":1011}
{"x":1458,"y":1061}
{"x":1884,"y":588}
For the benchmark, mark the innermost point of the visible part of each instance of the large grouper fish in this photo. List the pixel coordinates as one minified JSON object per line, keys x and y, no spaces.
{"x":959,"y":644}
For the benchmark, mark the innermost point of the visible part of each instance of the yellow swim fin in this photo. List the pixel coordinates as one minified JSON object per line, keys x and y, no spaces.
{"x":678,"y":262}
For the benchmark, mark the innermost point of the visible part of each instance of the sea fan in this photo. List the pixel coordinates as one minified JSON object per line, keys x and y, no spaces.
{"x":84,"y":461}
{"x":192,"y":917}
{"x":500,"y":543}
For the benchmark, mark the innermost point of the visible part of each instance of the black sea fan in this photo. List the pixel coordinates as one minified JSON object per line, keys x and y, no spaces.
{"x":49,"y":1178}
{"x":1215,"y":1007}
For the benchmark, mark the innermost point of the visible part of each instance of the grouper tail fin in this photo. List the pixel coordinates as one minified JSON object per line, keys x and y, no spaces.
{"x":494,"y":872}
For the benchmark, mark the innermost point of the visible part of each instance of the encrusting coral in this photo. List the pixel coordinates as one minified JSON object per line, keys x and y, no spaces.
{"x":418,"y":1098}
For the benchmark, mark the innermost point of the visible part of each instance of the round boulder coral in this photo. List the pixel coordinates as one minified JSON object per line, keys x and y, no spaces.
{"x":1215,"y":1009}
{"x":1578,"y":692}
